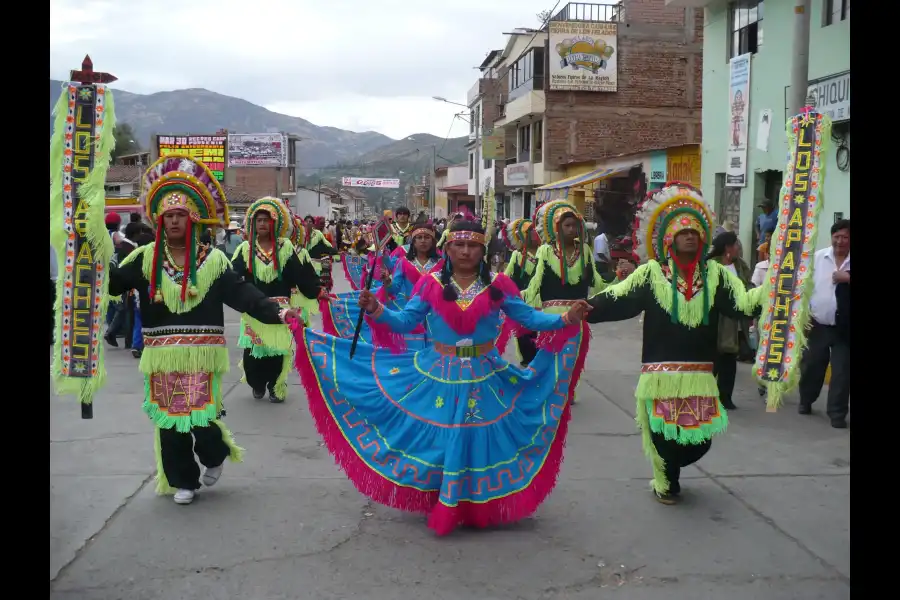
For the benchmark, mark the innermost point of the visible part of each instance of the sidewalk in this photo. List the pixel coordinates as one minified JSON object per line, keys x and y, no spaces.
{"x":766,"y":512}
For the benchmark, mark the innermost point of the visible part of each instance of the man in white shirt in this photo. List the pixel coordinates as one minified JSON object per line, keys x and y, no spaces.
{"x":825,"y":344}
{"x":601,"y":253}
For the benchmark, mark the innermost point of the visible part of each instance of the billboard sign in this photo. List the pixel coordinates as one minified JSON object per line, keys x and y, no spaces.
{"x":257,"y":150}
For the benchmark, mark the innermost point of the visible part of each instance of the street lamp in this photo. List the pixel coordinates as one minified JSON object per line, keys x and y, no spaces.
{"x":442,"y":99}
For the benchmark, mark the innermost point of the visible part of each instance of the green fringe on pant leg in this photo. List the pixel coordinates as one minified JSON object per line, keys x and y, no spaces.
{"x":162,"y":483}
{"x":236,"y":453}
{"x":642,"y":415}
{"x":281,"y":387}
{"x":243,"y":378}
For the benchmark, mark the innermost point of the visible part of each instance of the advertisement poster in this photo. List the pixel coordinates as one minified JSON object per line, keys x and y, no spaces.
{"x":257,"y":150}
{"x":208,"y":149}
{"x":370,"y":182}
{"x":583,"y":56}
{"x":739,"y":111}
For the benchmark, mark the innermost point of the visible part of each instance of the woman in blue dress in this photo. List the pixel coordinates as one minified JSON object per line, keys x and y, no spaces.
{"x":452,"y":430}
{"x":393,"y":290}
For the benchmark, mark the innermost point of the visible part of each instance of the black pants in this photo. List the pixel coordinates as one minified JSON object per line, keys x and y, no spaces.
{"x":262,"y":373}
{"x":178,"y":450}
{"x":725,"y":370}
{"x":527,"y":347}
{"x":677,"y":456}
{"x":52,"y":301}
{"x":824,"y":346}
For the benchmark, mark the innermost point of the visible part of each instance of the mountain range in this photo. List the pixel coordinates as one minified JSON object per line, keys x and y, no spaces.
{"x":201,"y":111}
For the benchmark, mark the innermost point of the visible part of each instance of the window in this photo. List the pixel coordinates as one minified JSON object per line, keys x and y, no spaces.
{"x":746,"y":27}
{"x":471,"y":166}
{"x":836,"y":11}
{"x":527,"y":73}
{"x":524,"y":143}
{"x":537,"y":135}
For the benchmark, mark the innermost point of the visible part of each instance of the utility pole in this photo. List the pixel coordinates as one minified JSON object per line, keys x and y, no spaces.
{"x":478,"y":162}
{"x":432,"y":192}
{"x":800,"y":64}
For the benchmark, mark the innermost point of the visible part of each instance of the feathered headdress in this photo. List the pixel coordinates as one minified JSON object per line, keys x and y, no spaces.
{"x":179,"y":182}
{"x":547,"y":221}
{"x":282,"y":226}
{"x":666,"y":212}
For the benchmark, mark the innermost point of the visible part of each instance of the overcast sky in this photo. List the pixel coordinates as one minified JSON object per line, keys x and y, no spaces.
{"x":353,"y":64}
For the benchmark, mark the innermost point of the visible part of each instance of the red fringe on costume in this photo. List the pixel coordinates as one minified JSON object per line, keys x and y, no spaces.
{"x":353,"y":285}
{"x":442,"y":519}
{"x":508,"y":330}
{"x":327,"y":321}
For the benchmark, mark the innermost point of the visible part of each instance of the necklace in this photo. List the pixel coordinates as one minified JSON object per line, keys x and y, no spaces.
{"x":175,"y":247}
{"x":171,"y":258}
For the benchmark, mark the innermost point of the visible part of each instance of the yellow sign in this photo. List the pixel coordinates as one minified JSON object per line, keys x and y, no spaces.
{"x":208,"y":149}
{"x":683,"y":164}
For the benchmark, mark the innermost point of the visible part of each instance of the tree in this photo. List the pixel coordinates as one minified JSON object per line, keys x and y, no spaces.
{"x":544,"y":17}
{"x":125,"y":140}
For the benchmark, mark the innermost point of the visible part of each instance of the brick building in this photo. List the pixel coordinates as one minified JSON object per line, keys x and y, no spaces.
{"x":590,"y":125}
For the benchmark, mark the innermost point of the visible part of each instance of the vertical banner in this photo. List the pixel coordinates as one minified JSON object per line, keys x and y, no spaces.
{"x":739,"y":110}
{"x":79,"y":159}
{"x":789,"y":281}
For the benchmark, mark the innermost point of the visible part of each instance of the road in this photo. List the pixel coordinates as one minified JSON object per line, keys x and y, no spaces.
{"x":766,"y":514}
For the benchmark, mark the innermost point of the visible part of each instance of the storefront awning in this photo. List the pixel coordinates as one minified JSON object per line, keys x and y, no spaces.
{"x":586,"y":179}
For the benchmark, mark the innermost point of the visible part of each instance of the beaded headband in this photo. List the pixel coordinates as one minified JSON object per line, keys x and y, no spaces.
{"x":421,"y":231}
{"x":466,"y":236}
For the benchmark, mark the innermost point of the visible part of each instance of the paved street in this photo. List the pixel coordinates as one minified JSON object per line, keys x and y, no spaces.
{"x":766,"y":512}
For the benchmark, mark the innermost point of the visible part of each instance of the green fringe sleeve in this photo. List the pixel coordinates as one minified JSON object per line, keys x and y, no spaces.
{"x":514,"y":259}
{"x":532,"y":294}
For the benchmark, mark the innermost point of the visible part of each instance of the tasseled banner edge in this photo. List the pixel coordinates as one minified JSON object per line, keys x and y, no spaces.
{"x":681,"y":385}
{"x":183,"y":424}
{"x":328,"y":325}
{"x":514,"y":507}
{"x":185,"y":359}
{"x":353,"y":285}
{"x":367,"y":481}
{"x":93,"y":193}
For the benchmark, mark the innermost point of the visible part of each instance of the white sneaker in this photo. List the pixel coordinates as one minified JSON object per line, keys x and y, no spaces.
{"x":212,"y":474}
{"x":184,"y":496}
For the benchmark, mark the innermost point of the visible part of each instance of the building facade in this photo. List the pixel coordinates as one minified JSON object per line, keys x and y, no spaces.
{"x":763,"y":30}
{"x":601,"y":96}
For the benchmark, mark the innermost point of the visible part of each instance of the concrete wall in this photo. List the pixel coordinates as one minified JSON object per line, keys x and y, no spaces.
{"x":770,"y":73}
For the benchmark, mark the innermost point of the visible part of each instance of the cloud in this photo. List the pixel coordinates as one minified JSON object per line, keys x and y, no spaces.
{"x":353,"y":64}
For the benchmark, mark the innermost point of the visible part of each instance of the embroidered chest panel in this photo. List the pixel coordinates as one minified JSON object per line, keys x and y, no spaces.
{"x":176,"y":274}
{"x":697,"y":284}
{"x":424,"y":268}
{"x":465,"y":297}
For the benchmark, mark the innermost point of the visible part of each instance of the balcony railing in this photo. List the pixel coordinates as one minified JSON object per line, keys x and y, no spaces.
{"x":612,"y":12}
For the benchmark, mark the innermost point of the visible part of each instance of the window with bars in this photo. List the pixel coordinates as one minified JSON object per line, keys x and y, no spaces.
{"x":746,"y":18}
{"x":835,"y":11}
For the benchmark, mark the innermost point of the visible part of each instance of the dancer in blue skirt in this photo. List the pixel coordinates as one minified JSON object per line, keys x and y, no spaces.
{"x":453,"y":429}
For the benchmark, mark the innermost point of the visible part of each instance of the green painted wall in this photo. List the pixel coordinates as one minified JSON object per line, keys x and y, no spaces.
{"x":770,"y":73}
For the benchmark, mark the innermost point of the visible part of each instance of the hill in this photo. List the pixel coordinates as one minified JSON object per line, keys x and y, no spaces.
{"x":202,"y":111}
